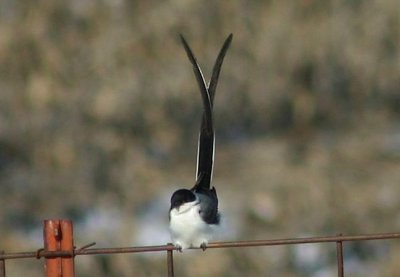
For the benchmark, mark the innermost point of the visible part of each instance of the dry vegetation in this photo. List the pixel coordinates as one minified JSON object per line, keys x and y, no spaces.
{"x":99,"y":114}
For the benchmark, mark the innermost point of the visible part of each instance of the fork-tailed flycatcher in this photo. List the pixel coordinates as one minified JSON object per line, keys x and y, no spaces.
{"x":194,"y":212}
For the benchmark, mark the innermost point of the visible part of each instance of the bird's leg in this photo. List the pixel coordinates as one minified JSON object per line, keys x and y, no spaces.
{"x":203,"y":246}
{"x":178,"y":247}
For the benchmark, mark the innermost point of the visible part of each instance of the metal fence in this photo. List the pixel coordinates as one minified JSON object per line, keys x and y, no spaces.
{"x":59,"y":250}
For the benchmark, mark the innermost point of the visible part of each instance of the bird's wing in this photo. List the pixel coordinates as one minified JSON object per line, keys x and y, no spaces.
{"x":209,"y":206}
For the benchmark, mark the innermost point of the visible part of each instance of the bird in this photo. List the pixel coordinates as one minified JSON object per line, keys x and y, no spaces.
{"x":193,"y":213}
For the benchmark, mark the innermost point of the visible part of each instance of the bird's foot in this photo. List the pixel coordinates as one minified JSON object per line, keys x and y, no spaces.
{"x":203,"y":246}
{"x":179,"y":247}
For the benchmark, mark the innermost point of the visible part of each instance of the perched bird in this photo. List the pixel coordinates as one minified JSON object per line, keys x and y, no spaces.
{"x":194,"y":212}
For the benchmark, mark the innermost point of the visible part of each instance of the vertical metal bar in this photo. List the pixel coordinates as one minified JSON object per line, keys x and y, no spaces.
{"x":67,"y":244}
{"x":339,"y":253}
{"x":2,"y":266}
{"x":170,"y":262}
{"x":51,"y":237}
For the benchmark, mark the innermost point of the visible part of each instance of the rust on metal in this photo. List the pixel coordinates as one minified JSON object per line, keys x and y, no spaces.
{"x":55,"y":250}
{"x":67,"y":244}
{"x":158,"y":248}
{"x":58,"y":236}
{"x":339,"y":254}
{"x":51,"y":235}
{"x":170,"y":262}
{"x":86,"y":246}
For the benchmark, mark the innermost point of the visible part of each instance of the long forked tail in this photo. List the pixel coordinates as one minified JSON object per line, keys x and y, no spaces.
{"x":206,"y":145}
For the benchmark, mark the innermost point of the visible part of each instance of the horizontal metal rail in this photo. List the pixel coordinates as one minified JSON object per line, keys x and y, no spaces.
{"x":169,"y":247}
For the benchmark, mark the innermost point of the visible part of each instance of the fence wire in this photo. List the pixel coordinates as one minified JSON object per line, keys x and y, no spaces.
{"x":169,"y":248}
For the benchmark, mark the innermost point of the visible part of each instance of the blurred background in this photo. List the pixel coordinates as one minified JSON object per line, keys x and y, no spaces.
{"x":100,"y":111}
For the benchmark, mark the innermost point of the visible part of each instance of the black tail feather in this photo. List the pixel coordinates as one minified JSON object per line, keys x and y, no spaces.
{"x":205,"y":154}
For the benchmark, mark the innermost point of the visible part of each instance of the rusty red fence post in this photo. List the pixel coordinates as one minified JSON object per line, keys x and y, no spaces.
{"x":67,"y":244}
{"x":51,"y":237}
{"x":58,"y":236}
